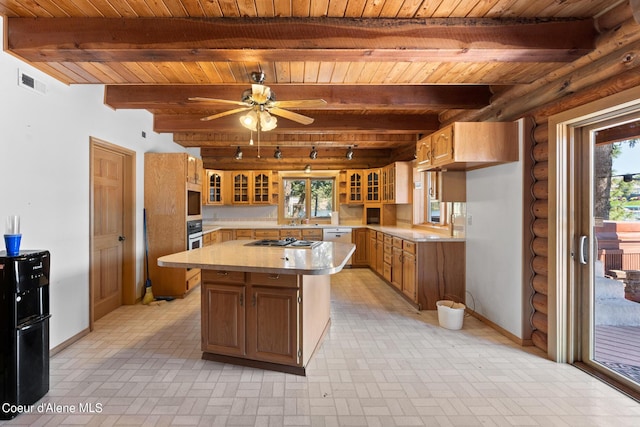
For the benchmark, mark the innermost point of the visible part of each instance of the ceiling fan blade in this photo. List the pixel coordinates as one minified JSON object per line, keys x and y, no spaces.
{"x":260,"y":93}
{"x":225,"y":113}
{"x":217,"y":101}
{"x":302,"y":103}
{"x":291,"y":115}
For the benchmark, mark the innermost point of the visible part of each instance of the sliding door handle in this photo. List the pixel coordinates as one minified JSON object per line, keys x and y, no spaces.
{"x":583,"y":248}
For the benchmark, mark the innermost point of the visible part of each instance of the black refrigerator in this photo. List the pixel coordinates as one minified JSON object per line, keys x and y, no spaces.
{"x":24,"y":330}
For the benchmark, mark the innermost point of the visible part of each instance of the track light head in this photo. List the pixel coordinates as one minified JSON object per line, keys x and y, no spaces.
{"x":349,"y":154}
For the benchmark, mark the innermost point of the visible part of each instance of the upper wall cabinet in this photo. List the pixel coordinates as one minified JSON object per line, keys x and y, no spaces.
{"x":194,"y":170}
{"x":468,"y":145}
{"x":213,"y":187}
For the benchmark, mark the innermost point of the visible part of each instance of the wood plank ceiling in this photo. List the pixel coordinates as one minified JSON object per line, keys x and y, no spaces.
{"x":388,"y":69}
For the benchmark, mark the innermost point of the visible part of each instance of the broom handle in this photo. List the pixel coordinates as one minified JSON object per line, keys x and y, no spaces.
{"x":146,"y":240}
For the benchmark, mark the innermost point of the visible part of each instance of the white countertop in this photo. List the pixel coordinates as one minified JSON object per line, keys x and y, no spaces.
{"x":234,"y":255}
{"x":412,"y":234}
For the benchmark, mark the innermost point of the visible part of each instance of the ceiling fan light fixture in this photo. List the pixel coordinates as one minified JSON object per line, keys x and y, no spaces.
{"x":267,"y":121}
{"x":313,"y":154}
{"x":250,"y":120}
{"x":238,"y":155}
{"x":349,"y":154}
{"x":277,"y":154}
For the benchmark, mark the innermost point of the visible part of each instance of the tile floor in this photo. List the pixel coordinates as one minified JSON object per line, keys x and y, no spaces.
{"x":382,"y":364}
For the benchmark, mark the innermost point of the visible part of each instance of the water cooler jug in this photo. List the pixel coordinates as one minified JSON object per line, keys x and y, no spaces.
{"x":24,"y":330}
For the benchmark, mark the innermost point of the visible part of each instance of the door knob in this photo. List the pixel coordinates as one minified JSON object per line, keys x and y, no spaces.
{"x":121,"y":238}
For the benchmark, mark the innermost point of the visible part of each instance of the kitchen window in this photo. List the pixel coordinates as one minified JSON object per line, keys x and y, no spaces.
{"x":307,"y":198}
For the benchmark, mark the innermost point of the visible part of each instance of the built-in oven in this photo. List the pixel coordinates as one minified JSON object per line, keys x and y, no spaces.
{"x":194,"y":234}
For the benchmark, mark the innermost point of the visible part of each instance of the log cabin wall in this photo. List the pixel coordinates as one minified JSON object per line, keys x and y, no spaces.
{"x":610,"y":69}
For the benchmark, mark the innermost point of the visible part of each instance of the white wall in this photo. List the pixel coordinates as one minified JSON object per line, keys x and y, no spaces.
{"x":494,"y":244}
{"x":44,"y":170}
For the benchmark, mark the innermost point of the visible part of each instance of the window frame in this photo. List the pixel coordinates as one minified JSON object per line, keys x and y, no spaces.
{"x":333,"y":175}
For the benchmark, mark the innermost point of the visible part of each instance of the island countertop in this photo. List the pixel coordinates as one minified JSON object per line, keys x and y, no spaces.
{"x":234,"y":255}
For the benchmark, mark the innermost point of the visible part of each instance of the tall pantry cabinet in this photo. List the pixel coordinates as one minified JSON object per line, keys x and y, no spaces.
{"x":172,"y":196}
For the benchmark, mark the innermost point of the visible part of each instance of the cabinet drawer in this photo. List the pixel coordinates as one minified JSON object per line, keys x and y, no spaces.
{"x":291,"y":232}
{"x":272,"y":279}
{"x":409,"y":247}
{"x":386,"y":272}
{"x":380,"y":235}
{"x":315,"y":234}
{"x":397,"y":242}
{"x":388,"y":240}
{"x":194,"y":280}
{"x":244,"y":234}
{"x":267,"y":234}
{"x":223,"y":276}
{"x":388,"y":258}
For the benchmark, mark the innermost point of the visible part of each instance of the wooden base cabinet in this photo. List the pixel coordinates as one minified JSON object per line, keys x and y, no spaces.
{"x":423,"y":272}
{"x":264,"y":320}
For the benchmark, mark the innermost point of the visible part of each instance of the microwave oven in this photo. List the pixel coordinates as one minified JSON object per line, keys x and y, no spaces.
{"x":194,"y":203}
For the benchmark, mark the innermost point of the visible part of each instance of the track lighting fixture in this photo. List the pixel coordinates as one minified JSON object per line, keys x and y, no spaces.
{"x":238,"y":155}
{"x":313,"y":154}
{"x":349,"y":154}
{"x":277,"y":154}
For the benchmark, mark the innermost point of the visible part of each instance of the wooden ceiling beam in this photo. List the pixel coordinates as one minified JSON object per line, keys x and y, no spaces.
{"x":325,"y":122}
{"x":210,"y":139}
{"x":298,"y":39}
{"x":338,"y":97}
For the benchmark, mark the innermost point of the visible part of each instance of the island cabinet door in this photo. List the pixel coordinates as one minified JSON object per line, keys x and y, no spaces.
{"x":273,"y":325}
{"x":223,"y":319}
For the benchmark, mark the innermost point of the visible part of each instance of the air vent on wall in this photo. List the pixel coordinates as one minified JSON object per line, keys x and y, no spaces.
{"x":28,"y":82}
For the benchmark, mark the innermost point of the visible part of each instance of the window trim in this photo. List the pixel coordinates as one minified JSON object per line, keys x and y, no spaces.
{"x":308,"y":176}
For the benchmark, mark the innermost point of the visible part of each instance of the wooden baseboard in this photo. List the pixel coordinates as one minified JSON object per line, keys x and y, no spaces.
{"x":501,"y":330}
{"x":295,"y":370}
{"x":68,"y":342}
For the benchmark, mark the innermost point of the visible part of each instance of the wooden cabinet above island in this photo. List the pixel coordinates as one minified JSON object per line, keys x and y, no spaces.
{"x":265,"y":307}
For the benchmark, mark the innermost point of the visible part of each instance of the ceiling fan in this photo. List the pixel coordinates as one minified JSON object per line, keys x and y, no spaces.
{"x":260,"y":102}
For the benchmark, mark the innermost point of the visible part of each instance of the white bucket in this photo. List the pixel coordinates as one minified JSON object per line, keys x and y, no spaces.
{"x":450,"y":314}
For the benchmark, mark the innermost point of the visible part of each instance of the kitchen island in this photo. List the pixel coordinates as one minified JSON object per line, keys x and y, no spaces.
{"x":265,"y":307}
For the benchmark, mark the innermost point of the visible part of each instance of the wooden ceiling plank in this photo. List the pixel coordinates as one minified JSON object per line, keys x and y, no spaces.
{"x":282,"y":8}
{"x":264,"y":8}
{"x":336,"y":9}
{"x":337,"y":97}
{"x":296,"y":70}
{"x":311,"y":71}
{"x":390,"y":9}
{"x":211,"y":8}
{"x":354,"y":72}
{"x":210,"y":70}
{"x":319,"y":8}
{"x":446,"y":9}
{"x":428,"y":9}
{"x":247,"y":8}
{"x":373,"y":8}
{"x":116,"y":9}
{"x":325,"y":72}
{"x":192,"y":8}
{"x":158,"y":39}
{"x":229,"y":9}
{"x":301,"y":8}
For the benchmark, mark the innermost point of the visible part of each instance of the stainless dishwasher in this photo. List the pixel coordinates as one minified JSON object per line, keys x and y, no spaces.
{"x":337,"y":234}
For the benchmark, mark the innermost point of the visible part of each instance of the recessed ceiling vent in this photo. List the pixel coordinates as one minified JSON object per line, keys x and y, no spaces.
{"x":28,"y":82}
